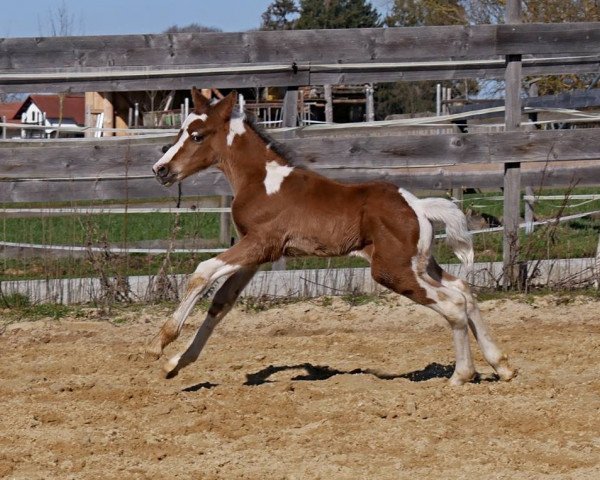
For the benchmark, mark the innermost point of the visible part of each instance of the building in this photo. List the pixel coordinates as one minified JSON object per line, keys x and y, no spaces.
{"x":8,"y":111}
{"x":51,"y":111}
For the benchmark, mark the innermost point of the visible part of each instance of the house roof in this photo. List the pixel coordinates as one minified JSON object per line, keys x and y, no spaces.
{"x":9,"y":110}
{"x":73,"y":106}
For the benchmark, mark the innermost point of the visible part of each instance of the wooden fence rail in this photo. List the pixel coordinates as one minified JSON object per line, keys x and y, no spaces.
{"x":120,"y":167}
{"x":292,"y":58}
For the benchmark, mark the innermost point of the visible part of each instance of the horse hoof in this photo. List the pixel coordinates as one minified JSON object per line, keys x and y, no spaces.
{"x":171,"y":368}
{"x":457,"y":380}
{"x":506,"y":373}
{"x":154,"y":350}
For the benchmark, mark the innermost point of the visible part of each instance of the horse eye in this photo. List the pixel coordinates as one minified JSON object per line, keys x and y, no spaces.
{"x":196,"y":137}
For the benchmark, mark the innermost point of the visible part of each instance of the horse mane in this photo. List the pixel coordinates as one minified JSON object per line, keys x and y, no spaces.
{"x":280,"y":149}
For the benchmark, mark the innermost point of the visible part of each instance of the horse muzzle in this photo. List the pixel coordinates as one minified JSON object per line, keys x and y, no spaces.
{"x":164,"y":175}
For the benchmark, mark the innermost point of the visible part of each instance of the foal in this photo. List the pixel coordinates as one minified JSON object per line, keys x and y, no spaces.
{"x":280,"y":209}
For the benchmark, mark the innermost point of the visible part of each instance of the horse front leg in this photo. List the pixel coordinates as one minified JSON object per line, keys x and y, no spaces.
{"x":206,"y":273}
{"x":246,"y":255}
{"x":221,"y":305}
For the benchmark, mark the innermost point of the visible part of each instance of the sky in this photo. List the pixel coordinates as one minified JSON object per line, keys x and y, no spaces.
{"x":30,"y":18}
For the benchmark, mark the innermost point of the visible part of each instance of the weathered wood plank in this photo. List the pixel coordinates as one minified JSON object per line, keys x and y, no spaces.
{"x":368,"y":45}
{"x":114,"y":157}
{"x":211,"y":182}
{"x":171,"y":81}
{"x":547,"y":38}
{"x":111,"y":60}
{"x":310,"y":76}
{"x":281,"y":47}
{"x":575,"y":99}
{"x":76,"y":158}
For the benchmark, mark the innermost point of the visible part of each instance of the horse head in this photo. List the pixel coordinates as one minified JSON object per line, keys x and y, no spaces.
{"x":204,"y":135}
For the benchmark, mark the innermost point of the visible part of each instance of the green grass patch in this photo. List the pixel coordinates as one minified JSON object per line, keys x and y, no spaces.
{"x":18,"y":307}
{"x":79,"y":230}
{"x":577,"y":238}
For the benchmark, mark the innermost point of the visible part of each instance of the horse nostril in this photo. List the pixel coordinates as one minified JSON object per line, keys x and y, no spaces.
{"x":162,"y":171}
{"x":165,"y":149}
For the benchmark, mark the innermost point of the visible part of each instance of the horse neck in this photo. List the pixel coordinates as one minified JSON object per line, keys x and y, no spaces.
{"x":244,"y":162}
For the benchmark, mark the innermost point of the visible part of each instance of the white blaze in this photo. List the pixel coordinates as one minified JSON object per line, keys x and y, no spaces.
{"x":236,"y":127}
{"x":275,"y":175}
{"x":168,"y":156}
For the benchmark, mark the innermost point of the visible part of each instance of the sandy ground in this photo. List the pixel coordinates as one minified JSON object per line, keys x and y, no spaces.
{"x":79,"y":401}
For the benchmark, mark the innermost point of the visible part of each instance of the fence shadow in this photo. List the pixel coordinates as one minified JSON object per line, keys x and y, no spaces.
{"x":324,"y":372}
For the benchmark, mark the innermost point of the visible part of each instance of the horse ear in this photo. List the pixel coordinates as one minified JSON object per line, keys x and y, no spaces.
{"x":201,"y":103}
{"x":225,"y":107}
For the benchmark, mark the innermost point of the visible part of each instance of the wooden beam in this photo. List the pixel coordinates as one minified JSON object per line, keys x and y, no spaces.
{"x":109,"y":112}
{"x":575,"y":99}
{"x":312,"y":75}
{"x":370,"y":100}
{"x":343,"y":46}
{"x":211,"y":182}
{"x":344,"y":148}
{"x":289,"y":111}
{"x":225,"y":221}
{"x":328,"y":103}
{"x":302,"y":57}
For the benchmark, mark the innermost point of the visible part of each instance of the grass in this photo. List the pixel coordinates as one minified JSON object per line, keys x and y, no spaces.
{"x":112,"y":228}
{"x":17,"y":306}
{"x":577,"y":238}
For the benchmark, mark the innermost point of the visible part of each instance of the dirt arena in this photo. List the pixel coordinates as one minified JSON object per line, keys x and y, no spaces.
{"x":310,"y":390}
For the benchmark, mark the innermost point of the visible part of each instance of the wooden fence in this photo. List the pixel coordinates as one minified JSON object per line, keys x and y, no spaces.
{"x":120,"y":168}
{"x":292,"y":58}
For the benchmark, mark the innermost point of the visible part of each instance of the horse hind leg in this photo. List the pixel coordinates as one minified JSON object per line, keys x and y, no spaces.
{"x":490,"y":350}
{"x":448,"y":302}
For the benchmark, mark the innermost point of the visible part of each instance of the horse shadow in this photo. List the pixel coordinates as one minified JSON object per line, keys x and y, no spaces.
{"x":324,"y":372}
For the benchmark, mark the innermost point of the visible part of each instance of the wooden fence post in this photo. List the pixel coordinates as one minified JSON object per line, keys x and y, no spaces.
{"x":109,"y":113}
{"x":369,"y":92}
{"x":225,"y":221}
{"x":458,"y":194}
{"x":529,"y":203}
{"x":289,"y":111}
{"x":328,"y":104}
{"x":289,"y":117}
{"x":512,"y":170}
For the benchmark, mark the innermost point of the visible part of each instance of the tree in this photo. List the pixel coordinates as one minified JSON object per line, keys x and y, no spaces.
{"x":337,"y":14}
{"x":412,"y":97}
{"x":59,"y":22}
{"x":480,"y":12}
{"x":548,"y":11}
{"x":417,"y":13}
{"x":280,"y":15}
{"x":191,"y":28}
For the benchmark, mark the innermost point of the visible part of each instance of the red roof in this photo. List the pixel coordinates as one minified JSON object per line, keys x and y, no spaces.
{"x":73,"y":106}
{"x":9,"y":110}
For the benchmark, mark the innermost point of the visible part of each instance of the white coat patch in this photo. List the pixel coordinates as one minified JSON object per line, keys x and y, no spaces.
{"x":214,"y":268}
{"x":275,"y":175}
{"x":236,"y":127}
{"x":425,"y":228}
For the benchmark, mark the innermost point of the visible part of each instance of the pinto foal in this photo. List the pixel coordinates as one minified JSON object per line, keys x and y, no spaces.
{"x":279,"y":210}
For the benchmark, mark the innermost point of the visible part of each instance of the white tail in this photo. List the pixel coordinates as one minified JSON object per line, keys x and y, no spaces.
{"x":457,"y":231}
